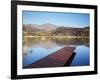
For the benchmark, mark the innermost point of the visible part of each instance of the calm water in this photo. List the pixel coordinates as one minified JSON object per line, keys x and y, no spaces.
{"x":36,"y":49}
{"x":82,"y":56}
{"x":35,"y":54}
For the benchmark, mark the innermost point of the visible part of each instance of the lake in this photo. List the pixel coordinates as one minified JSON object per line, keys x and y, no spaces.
{"x":37,"y":49}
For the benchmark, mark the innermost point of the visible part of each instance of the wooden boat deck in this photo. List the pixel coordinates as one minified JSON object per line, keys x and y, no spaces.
{"x":57,"y":59}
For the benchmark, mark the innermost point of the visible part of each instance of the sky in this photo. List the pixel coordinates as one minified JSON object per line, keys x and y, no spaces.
{"x":57,"y":18}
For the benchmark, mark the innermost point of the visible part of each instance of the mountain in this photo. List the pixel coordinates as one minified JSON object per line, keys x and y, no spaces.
{"x":72,"y":31}
{"x":43,"y":27}
{"x":31,"y":28}
{"x":47,"y":27}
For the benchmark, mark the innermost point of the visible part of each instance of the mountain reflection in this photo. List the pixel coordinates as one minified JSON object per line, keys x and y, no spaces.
{"x":50,"y":43}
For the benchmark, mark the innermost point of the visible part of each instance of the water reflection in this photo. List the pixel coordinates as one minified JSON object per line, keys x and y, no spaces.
{"x":49,"y":43}
{"x":36,"y":49}
{"x":35,"y":54}
{"x":82,"y":56}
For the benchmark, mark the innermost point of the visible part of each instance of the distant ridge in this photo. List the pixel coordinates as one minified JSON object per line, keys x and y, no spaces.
{"x":43,"y":27}
{"x":57,"y":30}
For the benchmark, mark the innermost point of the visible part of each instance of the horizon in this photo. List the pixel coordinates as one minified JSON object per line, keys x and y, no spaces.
{"x":57,"y":26}
{"x":74,"y":20}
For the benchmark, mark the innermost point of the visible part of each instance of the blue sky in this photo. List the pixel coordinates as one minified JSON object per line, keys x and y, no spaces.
{"x":57,"y":18}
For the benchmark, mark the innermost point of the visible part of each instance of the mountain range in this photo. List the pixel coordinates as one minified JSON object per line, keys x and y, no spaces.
{"x":43,"y":27}
{"x":62,"y":30}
